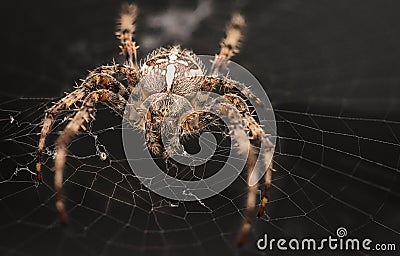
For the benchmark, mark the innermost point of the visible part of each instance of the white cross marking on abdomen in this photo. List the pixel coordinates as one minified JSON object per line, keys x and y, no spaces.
{"x":169,"y":77}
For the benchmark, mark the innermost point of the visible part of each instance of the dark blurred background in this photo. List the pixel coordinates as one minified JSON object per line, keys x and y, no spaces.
{"x":330,"y":69}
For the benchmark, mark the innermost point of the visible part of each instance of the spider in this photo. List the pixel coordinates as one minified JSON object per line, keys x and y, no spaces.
{"x":164,"y":76}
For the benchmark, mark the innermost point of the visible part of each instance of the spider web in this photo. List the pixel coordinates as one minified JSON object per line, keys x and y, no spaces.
{"x":337,"y":158}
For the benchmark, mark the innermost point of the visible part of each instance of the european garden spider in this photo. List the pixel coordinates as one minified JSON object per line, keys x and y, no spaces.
{"x":166,"y":75}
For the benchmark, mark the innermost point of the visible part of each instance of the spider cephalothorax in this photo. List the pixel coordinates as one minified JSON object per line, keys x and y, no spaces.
{"x":164,"y":97}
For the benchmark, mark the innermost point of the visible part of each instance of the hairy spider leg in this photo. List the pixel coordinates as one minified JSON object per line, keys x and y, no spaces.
{"x":267,"y":187}
{"x":259,"y":144}
{"x":223,"y":85}
{"x":250,"y":143}
{"x":84,"y":114}
{"x":125,"y":33}
{"x":99,"y":78}
{"x":230,"y":44}
{"x":48,"y":121}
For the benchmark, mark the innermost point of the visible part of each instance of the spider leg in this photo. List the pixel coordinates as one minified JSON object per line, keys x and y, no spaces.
{"x":196,"y":122}
{"x":48,"y":120}
{"x":99,"y":78}
{"x":237,"y":111}
{"x":84,"y":114}
{"x":103,"y":77}
{"x":153,"y":135}
{"x":260,"y":145}
{"x":267,"y":186}
{"x":230,"y":44}
{"x":223,"y":85}
{"x":200,"y":120}
{"x":126,"y":29}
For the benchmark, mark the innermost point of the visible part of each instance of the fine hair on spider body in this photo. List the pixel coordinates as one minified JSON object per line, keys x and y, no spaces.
{"x":166,"y":75}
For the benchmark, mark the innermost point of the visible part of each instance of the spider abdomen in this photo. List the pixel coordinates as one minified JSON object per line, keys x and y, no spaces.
{"x":172,"y":70}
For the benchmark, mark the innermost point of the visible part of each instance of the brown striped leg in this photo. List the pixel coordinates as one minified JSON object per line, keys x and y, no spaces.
{"x":48,"y":121}
{"x":99,"y":78}
{"x":260,"y":146}
{"x":84,"y":114}
{"x":267,"y":187}
{"x":125,"y":33}
{"x":230,"y":44}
